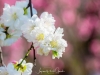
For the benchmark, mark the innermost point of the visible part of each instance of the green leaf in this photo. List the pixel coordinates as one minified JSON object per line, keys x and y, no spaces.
{"x":8,"y":36}
{"x":55,"y":54}
{"x":25,"y":11}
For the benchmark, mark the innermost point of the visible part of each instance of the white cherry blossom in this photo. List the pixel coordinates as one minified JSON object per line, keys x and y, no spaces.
{"x":48,"y":20}
{"x":13,"y":16}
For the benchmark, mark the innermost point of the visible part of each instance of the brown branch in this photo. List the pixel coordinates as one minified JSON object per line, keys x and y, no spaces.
{"x":1,"y":57}
{"x":31,"y":12}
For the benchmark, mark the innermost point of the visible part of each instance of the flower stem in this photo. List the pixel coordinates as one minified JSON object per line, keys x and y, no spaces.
{"x":31,"y":12}
{"x":1,"y":57}
{"x":30,"y":5}
{"x":32,"y":47}
{"x":26,"y":55}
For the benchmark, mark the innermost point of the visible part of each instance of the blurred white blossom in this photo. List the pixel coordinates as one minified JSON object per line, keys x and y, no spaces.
{"x":14,"y":69}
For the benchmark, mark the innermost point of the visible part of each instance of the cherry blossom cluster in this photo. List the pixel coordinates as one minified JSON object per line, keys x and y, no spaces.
{"x":45,"y":37}
{"x":16,"y":21}
{"x":11,"y":20}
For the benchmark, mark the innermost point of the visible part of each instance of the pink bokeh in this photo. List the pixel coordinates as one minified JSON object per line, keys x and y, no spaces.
{"x":81,"y":22}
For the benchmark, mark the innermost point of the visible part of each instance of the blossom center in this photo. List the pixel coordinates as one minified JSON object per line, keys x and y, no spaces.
{"x":40,"y":37}
{"x":14,"y":16}
{"x":53,"y":44}
{"x":21,"y":67}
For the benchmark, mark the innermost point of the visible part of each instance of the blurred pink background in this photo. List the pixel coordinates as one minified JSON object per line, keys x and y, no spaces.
{"x":81,"y":22}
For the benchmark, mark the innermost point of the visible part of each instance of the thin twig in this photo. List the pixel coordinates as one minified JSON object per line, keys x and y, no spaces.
{"x":31,"y":12}
{"x":31,"y":47}
{"x":34,"y":61}
{"x":25,"y":57}
{"x":1,"y":57}
{"x":30,"y":5}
